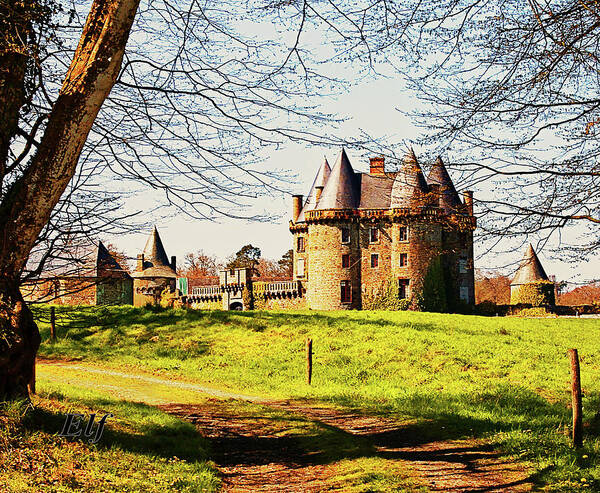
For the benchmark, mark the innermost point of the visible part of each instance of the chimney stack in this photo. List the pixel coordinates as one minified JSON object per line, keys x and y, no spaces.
{"x":468,"y":198}
{"x":318,"y":192}
{"x":297,"y":206}
{"x":140,"y":263}
{"x":436,"y":196}
{"x":377,"y":165}
{"x":174,"y":263}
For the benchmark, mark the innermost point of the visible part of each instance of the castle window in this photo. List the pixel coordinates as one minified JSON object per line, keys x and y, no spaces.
{"x":374,"y":235}
{"x":403,"y":288}
{"x":345,"y":235}
{"x":462,"y":265}
{"x":346,"y":291}
{"x":403,"y":233}
{"x":403,"y":259}
{"x":346,"y":261}
{"x":374,"y":260}
{"x":464,"y":293}
{"x":300,"y":243}
{"x":300,"y":267}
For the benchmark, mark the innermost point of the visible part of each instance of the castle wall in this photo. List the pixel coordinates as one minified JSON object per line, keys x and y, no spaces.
{"x":147,"y":291}
{"x":374,"y":277}
{"x":325,"y":250}
{"x":425,"y":242}
{"x":115,"y":292}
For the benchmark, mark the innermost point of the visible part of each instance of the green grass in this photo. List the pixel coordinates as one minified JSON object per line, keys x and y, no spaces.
{"x":505,"y":380}
{"x":142,"y":448}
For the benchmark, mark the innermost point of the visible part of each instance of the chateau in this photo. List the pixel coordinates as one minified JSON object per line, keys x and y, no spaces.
{"x":355,"y":232}
{"x":356,"y":236}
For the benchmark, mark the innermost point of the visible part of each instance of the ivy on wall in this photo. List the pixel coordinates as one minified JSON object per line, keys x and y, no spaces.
{"x":385,"y":297}
{"x":538,"y":293}
{"x":433,"y":296}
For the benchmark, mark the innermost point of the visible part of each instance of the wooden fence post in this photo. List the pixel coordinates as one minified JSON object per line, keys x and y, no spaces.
{"x":31,"y":386}
{"x":308,"y":360}
{"x":576,"y":399}
{"x":53,"y":323}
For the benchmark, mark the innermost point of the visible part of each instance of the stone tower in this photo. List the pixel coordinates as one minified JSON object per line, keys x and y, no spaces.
{"x":357,"y":231}
{"x":531,"y":284}
{"x":154,"y":273}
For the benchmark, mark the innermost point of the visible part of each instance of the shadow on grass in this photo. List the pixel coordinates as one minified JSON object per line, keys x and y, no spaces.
{"x":171,"y":438}
{"x":248,"y":442}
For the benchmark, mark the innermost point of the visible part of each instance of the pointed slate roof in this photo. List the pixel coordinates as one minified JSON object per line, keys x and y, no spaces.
{"x":107,"y":265}
{"x":156,"y":261}
{"x":449,"y":200}
{"x":342,"y":188}
{"x":154,"y":251}
{"x":530,"y":270}
{"x":409,"y":184}
{"x":319,"y":181}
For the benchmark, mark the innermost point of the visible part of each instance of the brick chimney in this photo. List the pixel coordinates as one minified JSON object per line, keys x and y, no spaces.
{"x":468,"y":199}
{"x":296,"y":206}
{"x":318,"y":192}
{"x":377,"y":165}
{"x":140,"y":263}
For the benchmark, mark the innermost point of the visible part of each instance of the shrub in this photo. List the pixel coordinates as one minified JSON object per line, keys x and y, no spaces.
{"x":536,"y":293}
{"x":384,"y":297}
{"x":170,"y":299}
{"x":247,"y":298}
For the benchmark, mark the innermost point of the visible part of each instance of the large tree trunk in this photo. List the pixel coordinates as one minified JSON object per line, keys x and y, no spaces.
{"x":19,"y":342}
{"x":27,"y":206}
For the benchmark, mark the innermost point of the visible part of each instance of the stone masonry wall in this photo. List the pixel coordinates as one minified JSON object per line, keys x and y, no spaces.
{"x":325,"y":250}
{"x":373,"y":277}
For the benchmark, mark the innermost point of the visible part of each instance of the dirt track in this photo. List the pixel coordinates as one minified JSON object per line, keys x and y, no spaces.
{"x":257,"y":453}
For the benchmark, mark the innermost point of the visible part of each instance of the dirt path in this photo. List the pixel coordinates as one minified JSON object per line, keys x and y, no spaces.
{"x":266,"y":445}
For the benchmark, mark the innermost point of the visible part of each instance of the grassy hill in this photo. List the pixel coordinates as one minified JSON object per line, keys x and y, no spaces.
{"x":505,"y":380}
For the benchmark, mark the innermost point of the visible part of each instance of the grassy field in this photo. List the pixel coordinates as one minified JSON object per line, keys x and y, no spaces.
{"x":505,"y":380}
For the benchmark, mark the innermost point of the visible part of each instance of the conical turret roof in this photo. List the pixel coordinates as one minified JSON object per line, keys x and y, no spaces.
{"x":409,"y":184}
{"x":449,"y":199}
{"x":319,"y":181}
{"x":156,"y":262}
{"x":341,"y":190}
{"x":530,"y":270}
{"x":154,"y":251}
{"x":107,"y":265}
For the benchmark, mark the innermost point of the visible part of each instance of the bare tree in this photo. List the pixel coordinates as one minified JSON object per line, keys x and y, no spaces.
{"x":199,"y":264}
{"x":510,"y":90}
{"x":187,"y":103}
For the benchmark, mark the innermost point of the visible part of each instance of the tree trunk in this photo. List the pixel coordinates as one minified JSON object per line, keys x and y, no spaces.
{"x":19,"y":341}
{"x":27,"y":205}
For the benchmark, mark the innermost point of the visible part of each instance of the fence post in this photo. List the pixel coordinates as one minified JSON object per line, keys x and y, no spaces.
{"x":576,"y":399}
{"x":308,"y":360}
{"x":31,"y":385}
{"x":53,"y":323}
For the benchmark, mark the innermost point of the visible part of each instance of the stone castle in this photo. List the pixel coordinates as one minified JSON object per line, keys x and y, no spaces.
{"x":354,"y":236}
{"x":355,"y":232}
